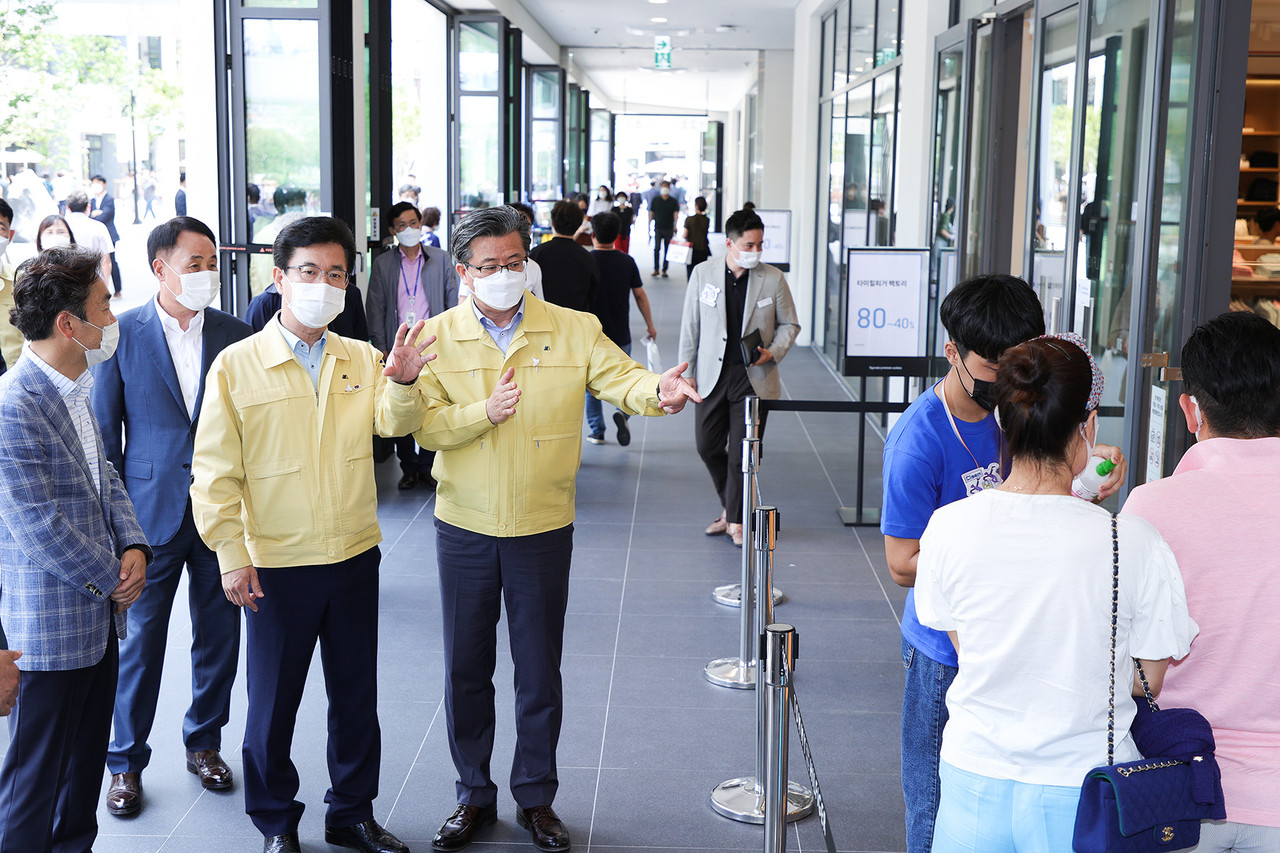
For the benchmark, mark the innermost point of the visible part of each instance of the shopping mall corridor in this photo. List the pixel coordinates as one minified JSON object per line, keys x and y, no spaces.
{"x":645,"y":736}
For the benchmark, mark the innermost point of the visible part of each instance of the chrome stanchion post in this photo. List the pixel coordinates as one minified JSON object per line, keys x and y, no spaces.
{"x":766,"y":531}
{"x":740,"y":672}
{"x":779,"y":649}
{"x":744,"y":799}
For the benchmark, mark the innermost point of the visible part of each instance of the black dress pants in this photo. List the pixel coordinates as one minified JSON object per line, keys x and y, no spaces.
{"x":719,"y":427}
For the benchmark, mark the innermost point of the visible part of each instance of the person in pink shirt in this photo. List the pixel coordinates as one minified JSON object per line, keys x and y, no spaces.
{"x":1219,"y":512}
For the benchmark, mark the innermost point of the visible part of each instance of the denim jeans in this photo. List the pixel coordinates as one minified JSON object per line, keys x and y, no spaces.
{"x":595,"y":414}
{"x":924,"y":714}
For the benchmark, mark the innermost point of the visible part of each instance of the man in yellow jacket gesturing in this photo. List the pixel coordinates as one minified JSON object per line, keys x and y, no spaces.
{"x":505,"y":417}
{"x":282,"y":490}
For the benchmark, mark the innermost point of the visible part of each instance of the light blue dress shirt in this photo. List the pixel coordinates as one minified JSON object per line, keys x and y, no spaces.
{"x":310,"y":357}
{"x":504,"y":335}
{"x":75,"y":395}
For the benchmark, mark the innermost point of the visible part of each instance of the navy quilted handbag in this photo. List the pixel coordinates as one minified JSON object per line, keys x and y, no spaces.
{"x":1155,"y":804}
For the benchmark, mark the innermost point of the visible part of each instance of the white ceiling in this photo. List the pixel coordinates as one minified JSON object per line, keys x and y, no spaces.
{"x":714,"y":44}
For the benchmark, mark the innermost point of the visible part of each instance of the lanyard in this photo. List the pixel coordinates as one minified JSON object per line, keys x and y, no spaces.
{"x":417,"y":277}
{"x":954,"y":428}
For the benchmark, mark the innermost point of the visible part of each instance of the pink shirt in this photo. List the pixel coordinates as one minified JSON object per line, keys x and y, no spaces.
{"x":411,"y":296}
{"x":1220,"y":513}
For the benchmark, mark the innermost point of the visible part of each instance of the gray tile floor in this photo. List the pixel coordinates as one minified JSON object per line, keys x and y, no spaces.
{"x":646,"y":737}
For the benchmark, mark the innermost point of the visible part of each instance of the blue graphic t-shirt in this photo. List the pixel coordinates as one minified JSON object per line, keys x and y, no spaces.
{"x":926,"y":467}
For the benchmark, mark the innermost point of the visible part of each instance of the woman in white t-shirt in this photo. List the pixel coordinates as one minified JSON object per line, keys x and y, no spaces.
{"x":1020,"y":576}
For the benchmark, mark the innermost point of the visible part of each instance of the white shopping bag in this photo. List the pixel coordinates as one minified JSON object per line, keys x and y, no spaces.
{"x":679,"y":252}
{"x":651,"y":354}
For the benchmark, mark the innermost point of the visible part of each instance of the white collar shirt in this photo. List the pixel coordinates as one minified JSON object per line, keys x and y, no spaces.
{"x":75,"y":394}
{"x":186,"y":349}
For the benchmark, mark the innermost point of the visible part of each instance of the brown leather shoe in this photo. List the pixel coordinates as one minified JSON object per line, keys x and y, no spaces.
{"x":548,"y":832}
{"x":124,"y":797}
{"x":214,"y":773}
{"x":462,"y":824}
{"x":720,"y":525}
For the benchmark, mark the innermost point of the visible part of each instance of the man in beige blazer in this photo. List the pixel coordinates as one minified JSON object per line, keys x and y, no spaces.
{"x":728,"y":300}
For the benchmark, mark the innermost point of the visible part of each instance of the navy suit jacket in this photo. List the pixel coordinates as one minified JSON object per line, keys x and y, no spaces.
{"x":108,"y":217}
{"x":61,"y":534}
{"x":145,"y":427}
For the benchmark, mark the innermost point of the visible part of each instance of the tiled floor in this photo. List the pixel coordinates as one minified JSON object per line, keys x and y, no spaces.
{"x":646,"y":737}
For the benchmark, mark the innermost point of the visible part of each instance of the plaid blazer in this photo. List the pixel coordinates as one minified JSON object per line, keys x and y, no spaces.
{"x":60,"y":538}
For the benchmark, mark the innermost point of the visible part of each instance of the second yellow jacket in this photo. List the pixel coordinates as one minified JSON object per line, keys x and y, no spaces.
{"x":519,"y":478}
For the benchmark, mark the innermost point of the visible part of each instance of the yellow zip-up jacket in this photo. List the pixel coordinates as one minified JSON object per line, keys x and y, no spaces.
{"x":519,"y":478}
{"x":10,"y":337}
{"x":282,"y":473}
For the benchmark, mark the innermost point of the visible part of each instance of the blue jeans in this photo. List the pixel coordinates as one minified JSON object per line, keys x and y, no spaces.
{"x":595,"y":413}
{"x":924,"y":714}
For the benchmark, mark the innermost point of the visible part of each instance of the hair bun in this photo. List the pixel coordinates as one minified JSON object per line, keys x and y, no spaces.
{"x":1026,"y":372}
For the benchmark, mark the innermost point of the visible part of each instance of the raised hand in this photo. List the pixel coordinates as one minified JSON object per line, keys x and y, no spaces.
{"x":408,"y":356}
{"x":502,"y":402}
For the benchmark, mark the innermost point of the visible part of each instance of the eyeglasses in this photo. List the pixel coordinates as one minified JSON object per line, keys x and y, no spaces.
{"x":311,"y":274}
{"x":490,"y":269}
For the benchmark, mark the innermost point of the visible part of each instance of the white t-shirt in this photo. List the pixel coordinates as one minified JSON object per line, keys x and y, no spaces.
{"x":1025,"y":582}
{"x":90,"y":232}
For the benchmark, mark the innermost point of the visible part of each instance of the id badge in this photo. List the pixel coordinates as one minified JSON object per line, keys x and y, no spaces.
{"x":410,"y":319}
{"x":981,"y":479}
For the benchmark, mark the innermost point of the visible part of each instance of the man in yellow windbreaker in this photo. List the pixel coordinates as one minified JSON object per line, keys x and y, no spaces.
{"x":505,"y":417}
{"x":283,"y":492}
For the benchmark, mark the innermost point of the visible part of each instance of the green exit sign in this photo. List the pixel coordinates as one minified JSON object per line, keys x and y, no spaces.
{"x":661,"y":52}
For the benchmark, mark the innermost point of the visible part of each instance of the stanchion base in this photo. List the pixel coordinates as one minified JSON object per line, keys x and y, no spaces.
{"x":870,"y":516}
{"x":742,"y":800}
{"x":732,"y":672}
{"x":730,"y":595}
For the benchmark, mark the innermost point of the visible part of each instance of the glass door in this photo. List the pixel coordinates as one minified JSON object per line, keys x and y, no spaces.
{"x":711,"y":175}
{"x":277,"y":143}
{"x":545,"y":132}
{"x":980,"y":86}
{"x":948,"y":140}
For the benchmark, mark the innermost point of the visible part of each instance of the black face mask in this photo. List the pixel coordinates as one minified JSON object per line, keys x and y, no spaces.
{"x":983,"y":392}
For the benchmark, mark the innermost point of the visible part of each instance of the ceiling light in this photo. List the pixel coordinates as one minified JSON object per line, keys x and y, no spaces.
{"x":658,"y":2}
{"x":657,"y":20}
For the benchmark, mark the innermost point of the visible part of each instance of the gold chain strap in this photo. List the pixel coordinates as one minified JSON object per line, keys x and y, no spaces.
{"x":1155,"y":765}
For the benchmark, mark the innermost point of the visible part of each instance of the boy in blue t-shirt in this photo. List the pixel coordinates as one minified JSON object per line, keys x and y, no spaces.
{"x":945,"y":447}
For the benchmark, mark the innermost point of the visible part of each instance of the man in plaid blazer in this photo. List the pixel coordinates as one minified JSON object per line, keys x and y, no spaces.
{"x":72,"y":556}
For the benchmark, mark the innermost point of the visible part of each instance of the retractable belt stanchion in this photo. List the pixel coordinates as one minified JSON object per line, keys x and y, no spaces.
{"x":730,"y":595}
{"x":743,"y":798}
{"x":740,"y":672}
{"x":779,"y":661}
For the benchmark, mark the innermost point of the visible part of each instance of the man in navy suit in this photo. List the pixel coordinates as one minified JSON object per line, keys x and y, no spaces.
{"x":104,"y":210}
{"x":72,"y":556}
{"x":147,"y":399}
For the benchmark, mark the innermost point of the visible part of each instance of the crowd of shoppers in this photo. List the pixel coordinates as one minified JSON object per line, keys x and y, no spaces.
{"x":171,"y":441}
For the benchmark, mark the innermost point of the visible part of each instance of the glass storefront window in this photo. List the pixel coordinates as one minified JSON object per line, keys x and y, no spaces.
{"x":862,"y":37}
{"x":545,"y":159}
{"x":840,"y":75}
{"x":478,"y":56}
{"x":282,"y":127}
{"x":478,"y":142}
{"x":887,"y":15}
{"x":1056,"y":123}
{"x":883,"y":148}
{"x":972,"y":219}
{"x":545,"y":103}
{"x":601,"y":162}
{"x":419,"y":104}
{"x":830,"y":251}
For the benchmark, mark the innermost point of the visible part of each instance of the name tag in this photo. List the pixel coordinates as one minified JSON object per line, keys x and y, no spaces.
{"x":765,"y":303}
{"x":710,"y":295}
{"x":980,"y":479}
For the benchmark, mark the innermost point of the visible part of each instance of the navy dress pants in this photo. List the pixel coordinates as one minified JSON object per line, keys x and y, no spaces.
{"x":215,"y":648}
{"x":478,"y":574}
{"x":52,"y":773}
{"x":336,"y":605}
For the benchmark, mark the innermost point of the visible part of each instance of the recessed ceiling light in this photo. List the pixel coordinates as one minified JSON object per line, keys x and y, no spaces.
{"x":657,"y":20}
{"x":658,"y":2}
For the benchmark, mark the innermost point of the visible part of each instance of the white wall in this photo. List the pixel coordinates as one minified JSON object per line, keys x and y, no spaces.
{"x":804,"y":161}
{"x":775,"y":117}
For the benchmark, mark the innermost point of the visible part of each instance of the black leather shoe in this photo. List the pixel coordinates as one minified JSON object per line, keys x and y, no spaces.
{"x":624,"y":432}
{"x":548,"y":832}
{"x":408,"y":481}
{"x":124,"y":797}
{"x":367,"y":836}
{"x":462,"y":824}
{"x":214,"y":773}
{"x":287,"y":843}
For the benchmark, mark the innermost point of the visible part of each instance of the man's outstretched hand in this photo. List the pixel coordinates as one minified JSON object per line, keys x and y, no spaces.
{"x":674,"y":390}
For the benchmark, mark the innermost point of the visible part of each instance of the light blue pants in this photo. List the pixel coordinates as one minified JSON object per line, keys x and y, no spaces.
{"x":985,"y":815}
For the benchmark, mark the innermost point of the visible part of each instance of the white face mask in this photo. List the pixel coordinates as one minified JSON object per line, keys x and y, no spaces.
{"x":748,"y":260}
{"x":1088,"y":445}
{"x":106,"y":349}
{"x":665,"y":192}
{"x":48,"y":241}
{"x":500,"y":291}
{"x":602,"y":195}
{"x":4,"y":243}
{"x":409,"y":237}
{"x":315,"y":304}
{"x":199,"y":289}
{"x":1199,"y":418}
